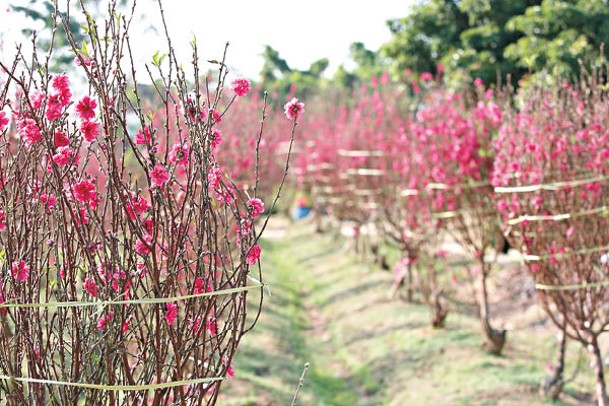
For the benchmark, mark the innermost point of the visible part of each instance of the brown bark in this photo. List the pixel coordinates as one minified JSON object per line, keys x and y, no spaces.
{"x":495,"y":338}
{"x":438,"y":309}
{"x":597,"y":360}
{"x":552,"y":386}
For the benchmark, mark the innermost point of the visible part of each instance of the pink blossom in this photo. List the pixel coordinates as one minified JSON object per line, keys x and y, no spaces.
{"x":254,"y":255}
{"x":36,"y":99}
{"x":62,"y":87}
{"x":225,"y":194}
{"x":502,"y":205}
{"x":81,"y":215}
{"x":143,"y":137}
{"x":194,"y":324}
{"x":61,"y":140}
{"x":116,"y":277}
{"x":159,"y":175}
{"x":85,"y":61}
{"x":136,"y":206}
{"x":141,"y":269}
{"x":426,"y":77}
{"x":240,"y":86}
{"x":3,"y":120}
{"x":230,"y":372}
{"x":148,"y":225}
{"x":90,"y":130}
{"x":84,"y":192}
{"x":179,"y":153}
{"x":216,"y":117}
{"x":171,"y":313}
{"x":3,"y":310}
{"x":2,"y":220}
{"x":103,"y":320}
{"x":28,"y":129}
{"x":21,"y":270}
{"x":86,"y":108}
{"x":90,"y":287}
{"x":142,"y":247}
{"x":54,"y":108}
{"x":255,"y":206}
{"x":63,"y":156}
{"x":216,"y":137}
{"x":416,"y":89}
{"x":214,"y":175}
{"x":199,"y":286}
{"x":48,"y":200}
{"x":211,"y":326}
{"x":293,"y":109}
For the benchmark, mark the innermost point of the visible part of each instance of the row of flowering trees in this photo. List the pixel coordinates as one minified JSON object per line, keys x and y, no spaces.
{"x":422,"y":162}
{"x":126,"y":255}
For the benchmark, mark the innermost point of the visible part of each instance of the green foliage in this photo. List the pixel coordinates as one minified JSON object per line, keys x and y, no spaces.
{"x":431,"y":31}
{"x":368,"y":64}
{"x":280,"y":80}
{"x":558,"y":34}
{"x":487,"y":38}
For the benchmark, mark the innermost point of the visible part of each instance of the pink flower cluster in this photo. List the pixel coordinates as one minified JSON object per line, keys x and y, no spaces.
{"x":240,"y":86}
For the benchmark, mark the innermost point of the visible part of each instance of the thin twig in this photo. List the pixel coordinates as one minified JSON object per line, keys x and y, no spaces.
{"x":300,"y":383}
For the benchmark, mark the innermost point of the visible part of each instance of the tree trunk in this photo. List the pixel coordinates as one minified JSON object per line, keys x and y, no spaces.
{"x":597,"y":360}
{"x":439,"y":310}
{"x":409,"y":292}
{"x":495,"y":338}
{"x":552,"y":386}
{"x":319,"y":229}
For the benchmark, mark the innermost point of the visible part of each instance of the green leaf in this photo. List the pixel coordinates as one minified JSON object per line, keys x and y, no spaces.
{"x":483,"y":153}
{"x":84,"y":50}
{"x":155,"y":59}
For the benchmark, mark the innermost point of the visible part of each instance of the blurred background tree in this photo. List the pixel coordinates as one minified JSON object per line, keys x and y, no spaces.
{"x":491,"y":38}
{"x":40,"y":15}
{"x":279,"y":80}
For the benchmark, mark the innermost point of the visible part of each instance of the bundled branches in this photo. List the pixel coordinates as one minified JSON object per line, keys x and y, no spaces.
{"x":127,"y":253}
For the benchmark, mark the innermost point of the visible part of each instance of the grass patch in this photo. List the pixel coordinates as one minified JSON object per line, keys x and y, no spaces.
{"x":331,"y":310}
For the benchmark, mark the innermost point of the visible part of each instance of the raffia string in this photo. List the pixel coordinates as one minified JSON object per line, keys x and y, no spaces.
{"x":550,"y":186}
{"x":576,"y":286}
{"x":115,"y":388}
{"x":604,"y":210}
{"x":155,"y":300}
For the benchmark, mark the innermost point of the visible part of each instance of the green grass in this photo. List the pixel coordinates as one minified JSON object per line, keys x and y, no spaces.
{"x":332,"y":311}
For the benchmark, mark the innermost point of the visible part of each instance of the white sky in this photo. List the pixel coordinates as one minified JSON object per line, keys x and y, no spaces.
{"x":302,"y":31}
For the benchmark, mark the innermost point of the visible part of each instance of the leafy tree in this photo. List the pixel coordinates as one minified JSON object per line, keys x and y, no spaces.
{"x":368,"y":64}
{"x":484,"y":38}
{"x":280,"y":80}
{"x":557,"y":34}
{"x":429,"y":32}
